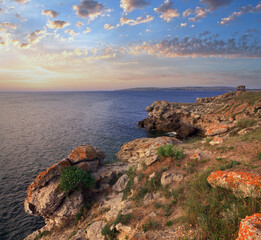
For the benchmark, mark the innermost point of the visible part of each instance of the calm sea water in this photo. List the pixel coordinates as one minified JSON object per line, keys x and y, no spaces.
{"x":39,"y":129}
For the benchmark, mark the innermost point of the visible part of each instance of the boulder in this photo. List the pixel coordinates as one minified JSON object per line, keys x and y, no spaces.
{"x":94,"y":231}
{"x":85,"y":152}
{"x":218,"y":128}
{"x":250,"y":228}
{"x":143,"y":150}
{"x":120,"y":185}
{"x":168,"y":178}
{"x":216,"y":140}
{"x":242,"y":184}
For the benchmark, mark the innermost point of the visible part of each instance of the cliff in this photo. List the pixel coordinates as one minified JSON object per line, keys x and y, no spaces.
{"x":207,"y":187}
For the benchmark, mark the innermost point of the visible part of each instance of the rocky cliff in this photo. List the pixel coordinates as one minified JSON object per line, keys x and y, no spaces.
{"x":209,"y":116}
{"x":163,"y":188}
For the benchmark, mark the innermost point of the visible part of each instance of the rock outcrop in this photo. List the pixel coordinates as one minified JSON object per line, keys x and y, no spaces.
{"x":209,"y":116}
{"x":250,"y":228}
{"x":44,"y":197}
{"x":143,"y":150}
{"x":241,"y":183}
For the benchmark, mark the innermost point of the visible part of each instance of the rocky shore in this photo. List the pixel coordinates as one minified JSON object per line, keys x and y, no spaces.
{"x":205,"y":187}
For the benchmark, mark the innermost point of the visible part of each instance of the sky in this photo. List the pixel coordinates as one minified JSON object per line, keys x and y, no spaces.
{"x":115,"y":44}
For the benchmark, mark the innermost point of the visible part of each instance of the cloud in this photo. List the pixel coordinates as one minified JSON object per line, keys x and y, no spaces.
{"x":8,"y":25}
{"x":19,"y":16}
{"x":89,"y":9}
{"x":166,"y":11}
{"x":183,"y":24}
{"x":139,"y":20}
{"x":87,"y":30}
{"x":21,"y":1}
{"x":24,"y":45}
{"x":57,"y":24}
{"x":79,"y":24}
{"x":188,"y":12}
{"x":207,"y":46}
{"x":130,"y":5}
{"x":71,"y":32}
{"x":214,"y":4}
{"x":200,"y":13}
{"x":243,"y":10}
{"x":50,"y":13}
{"x":36,"y":36}
{"x":108,"y":26}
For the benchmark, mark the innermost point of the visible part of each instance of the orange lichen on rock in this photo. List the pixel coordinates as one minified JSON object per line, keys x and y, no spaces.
{"x":242,"y":184}
{"x":250,"y":228}
{"x":218,"y":128}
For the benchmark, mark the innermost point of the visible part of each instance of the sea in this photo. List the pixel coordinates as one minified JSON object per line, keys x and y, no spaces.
{"x":38,"y":129}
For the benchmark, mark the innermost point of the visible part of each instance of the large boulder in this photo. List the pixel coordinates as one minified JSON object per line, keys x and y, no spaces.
{"x":143,"y":150}
{"x":250,"y":228}
{"x":218,"y":128}
{"x":85,"y":152}
{"x":44,"y":196}
{"x":94,"y":231}
{"x":242,"y":184}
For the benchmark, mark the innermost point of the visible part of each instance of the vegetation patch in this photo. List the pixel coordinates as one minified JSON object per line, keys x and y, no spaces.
{"x":246,"y":123}
{"x":149,"y":225}
{"x":73,"y":178}
{"x":216,"y":212}
{"x":170,"y":150}
{"x":42,"y":234}
{"x":131,"y":172}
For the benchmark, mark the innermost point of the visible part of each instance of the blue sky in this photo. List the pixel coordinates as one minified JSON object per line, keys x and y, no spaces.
{"x":106,"y":45}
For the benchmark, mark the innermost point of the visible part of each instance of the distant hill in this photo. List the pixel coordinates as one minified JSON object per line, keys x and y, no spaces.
{"x":217,"y":88}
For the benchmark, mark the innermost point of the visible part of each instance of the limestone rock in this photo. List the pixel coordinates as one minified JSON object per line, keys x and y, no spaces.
{"x":94,"y":231}
{"x":216,"y":140}
{"x":124,"y":231}
{"x":120,"y":184}
{"x":241,"y":183}
{"x":250,"y":228}
{"x":143,"y":150}
{"x":218,"y":128}
{"x":85,"y":152}
{"x":168,"y":178}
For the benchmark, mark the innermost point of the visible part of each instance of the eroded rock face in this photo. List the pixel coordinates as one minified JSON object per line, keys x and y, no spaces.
{"x":45,"y":199}
{"x":241,"y":183}
{"x":250,"y":228}
{"x":143,"y":150}
{"x":94,"y":231}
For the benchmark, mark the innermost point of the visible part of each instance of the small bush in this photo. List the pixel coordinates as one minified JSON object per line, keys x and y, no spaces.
{"x":73,"y":178}
{"x":170,"y":150}
{"x":230,"y":165}
{"x":149,"y":225}
{"x":259,"y":155}
{"x":122,"y":218}
{"x":169,"y":223}
{"x":108,"y":233}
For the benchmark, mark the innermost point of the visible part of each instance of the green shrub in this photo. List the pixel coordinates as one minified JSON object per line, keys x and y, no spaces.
{"x":122,"y":218}
{"x":170,"y":150}
{"x":230,"y":165}
{"x":149,"y":225}
{"x":169,"y":223}
{"x":215,"y":211}
{"x":73,"y":178}
{"x":110,"y":234}
{"x":259,"y":155}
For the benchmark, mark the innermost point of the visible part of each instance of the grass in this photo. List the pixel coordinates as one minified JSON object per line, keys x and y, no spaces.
{"x":216,"y":212}
{"x":109,"y":230}
{"x":131,"y":172}
{"x":73,"y":178}
{"x":170,"y":150}
{"x":42,"y":234}
{"x":246,"y":123}
{"x":149,"y":225}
